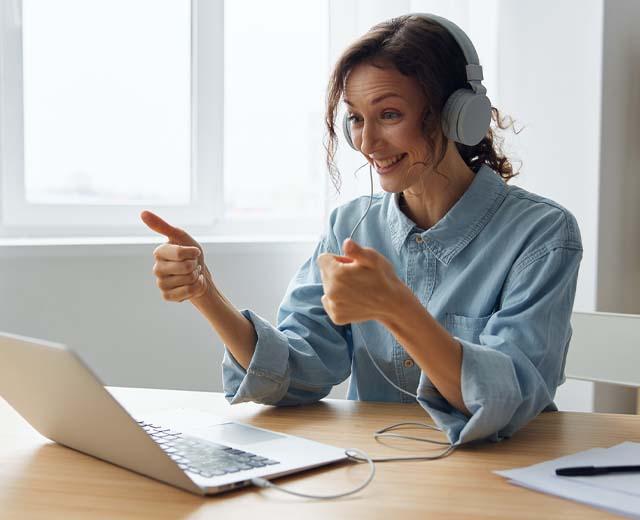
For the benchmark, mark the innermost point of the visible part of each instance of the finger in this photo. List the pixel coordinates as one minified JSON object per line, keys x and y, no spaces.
{"x":175,"y":252}
{"x":326,"y":265}
{"x":166,"y":283}
{"x":328,"y":261}
{"x":332,"y":311}
{"x":344,"y":259}
{"x":364,"y":255}
{"x":323,"y":260}
{"x":326,"y":303}
{"x":186,"y":292}
{"x":157,"y":224}
{"x":164,"y":268}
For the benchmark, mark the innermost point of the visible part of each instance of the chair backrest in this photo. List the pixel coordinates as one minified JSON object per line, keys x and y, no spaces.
{"x":605,"y":348}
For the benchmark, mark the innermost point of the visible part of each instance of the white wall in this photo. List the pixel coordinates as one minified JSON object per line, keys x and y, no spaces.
{"x":550,"y":63}
{"x":574,"y":71}
{"x":549,"y":58}
{"x":103,"y":302}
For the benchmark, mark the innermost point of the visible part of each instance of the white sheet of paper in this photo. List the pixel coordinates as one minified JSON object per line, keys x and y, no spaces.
{"x":618,"y":493}
{"x":627,"y":453}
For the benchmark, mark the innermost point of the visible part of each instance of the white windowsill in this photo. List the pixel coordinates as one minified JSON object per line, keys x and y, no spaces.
{"x":123,"y":246}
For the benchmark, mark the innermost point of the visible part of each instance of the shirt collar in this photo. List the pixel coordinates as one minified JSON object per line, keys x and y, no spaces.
{"x":461,"y":223}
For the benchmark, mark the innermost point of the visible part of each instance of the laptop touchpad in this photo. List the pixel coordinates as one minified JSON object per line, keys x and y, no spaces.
{"x":240,"y":434}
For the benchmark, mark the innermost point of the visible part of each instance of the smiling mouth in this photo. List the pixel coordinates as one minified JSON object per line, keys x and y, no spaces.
{"x":385,"y":165}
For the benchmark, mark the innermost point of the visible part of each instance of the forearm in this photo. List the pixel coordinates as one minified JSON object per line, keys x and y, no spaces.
{"x":430,"y":345}
{"x":235,"y":331}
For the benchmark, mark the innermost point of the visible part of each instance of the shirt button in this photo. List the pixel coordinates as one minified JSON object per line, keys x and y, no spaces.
{"x":419,"y":239}
{"x":408,"y":363}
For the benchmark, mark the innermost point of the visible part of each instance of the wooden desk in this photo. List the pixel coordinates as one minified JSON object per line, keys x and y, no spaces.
{"x":39,"y":479}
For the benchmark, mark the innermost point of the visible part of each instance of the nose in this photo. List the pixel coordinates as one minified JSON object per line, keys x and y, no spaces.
{"x":369,"y":138}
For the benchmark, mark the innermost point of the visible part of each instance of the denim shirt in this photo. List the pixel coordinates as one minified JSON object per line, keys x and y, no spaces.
{"x":498,"y":271}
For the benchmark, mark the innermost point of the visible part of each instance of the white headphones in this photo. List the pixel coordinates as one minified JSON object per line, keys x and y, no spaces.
{"x":466,"y":115}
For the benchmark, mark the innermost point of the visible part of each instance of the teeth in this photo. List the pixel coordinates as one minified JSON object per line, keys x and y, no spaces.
{"x":385,"y":163}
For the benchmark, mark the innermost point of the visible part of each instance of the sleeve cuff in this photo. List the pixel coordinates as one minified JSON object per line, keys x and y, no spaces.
{"x":266,"y":380}
{"x":490,"y":391}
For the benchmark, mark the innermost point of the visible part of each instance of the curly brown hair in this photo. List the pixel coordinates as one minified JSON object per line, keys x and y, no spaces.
{"x":422,"y":49}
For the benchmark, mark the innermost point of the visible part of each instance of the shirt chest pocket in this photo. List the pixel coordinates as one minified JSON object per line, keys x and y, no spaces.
{"x":464,"y":327}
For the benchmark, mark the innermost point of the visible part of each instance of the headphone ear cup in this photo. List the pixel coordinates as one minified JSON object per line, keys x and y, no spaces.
{"x":466,"y":117}
{"x":346,"y":128}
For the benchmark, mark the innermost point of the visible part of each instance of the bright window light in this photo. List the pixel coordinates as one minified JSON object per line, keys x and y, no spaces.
{"x":276,"y":71}
{"x":107,"y":115}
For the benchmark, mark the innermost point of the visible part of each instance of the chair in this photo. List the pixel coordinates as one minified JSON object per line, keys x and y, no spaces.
{"x":605,"y":348}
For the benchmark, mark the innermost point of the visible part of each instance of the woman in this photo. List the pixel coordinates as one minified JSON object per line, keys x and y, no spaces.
{"x":459,"y":287}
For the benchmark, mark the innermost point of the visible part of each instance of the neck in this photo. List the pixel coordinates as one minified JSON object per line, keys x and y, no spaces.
{"x":435,"y":194}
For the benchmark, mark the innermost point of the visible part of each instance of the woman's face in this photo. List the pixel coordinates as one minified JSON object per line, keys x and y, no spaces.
{"x":385,"y":112}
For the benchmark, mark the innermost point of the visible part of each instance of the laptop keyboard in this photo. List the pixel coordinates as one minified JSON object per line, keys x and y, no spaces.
{"x":203,"y":457}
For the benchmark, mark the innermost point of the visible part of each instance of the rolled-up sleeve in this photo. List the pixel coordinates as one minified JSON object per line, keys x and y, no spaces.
{"x":303,"y":357}
{"x":511,"y":373}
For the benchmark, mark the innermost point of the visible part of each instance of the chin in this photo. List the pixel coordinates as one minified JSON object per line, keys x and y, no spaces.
{"x":391,"y":185}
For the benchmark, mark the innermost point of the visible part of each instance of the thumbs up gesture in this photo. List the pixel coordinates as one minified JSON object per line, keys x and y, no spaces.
{"x":180,"y":271}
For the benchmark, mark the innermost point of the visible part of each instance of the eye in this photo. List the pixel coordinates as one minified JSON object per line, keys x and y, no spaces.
{"x":354,"y":118}
{"x":390,"y":115}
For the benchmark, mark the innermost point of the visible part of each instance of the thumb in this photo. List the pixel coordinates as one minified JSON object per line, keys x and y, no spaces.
{"x":174,"y":234}
{"x":354,"y":250}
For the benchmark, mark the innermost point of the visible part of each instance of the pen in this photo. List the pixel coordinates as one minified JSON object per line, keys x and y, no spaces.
{"x":588,"y":471}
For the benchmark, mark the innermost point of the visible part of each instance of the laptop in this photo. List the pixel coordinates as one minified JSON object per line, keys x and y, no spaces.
{"x":50,"y":386}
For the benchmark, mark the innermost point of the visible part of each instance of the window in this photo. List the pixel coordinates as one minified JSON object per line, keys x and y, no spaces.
{"x":107,"y":121}
{"x":113,"y":106}
{"x":205,"y":111}
{"x":96,"y":121}
{"x":275,"y":80}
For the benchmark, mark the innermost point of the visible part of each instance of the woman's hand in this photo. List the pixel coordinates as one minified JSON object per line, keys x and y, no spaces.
{"x":182,"y":275}
{"x":180,"y":271}
{"x":359,"y":286}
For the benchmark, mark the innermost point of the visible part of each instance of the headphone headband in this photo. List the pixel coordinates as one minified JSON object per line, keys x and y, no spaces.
{"x":458,"y":34}
{"x":473,"y":68}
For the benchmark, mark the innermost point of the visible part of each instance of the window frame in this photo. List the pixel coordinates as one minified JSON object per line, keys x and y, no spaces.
{"x":204,"y":215}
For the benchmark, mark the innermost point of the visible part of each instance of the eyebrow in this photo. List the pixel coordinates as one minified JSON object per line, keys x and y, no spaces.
{"x":378,"y":99}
